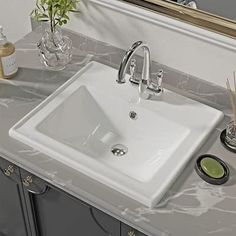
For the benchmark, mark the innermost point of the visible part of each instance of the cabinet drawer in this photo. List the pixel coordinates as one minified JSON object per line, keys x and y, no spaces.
{"x":56,"y":212}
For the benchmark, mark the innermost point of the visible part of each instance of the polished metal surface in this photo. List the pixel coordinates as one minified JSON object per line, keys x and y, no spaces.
{"x":126,"y":59}
{"x":145,"y":79}
{"x":133,"y":115}
{"x":27,"y":181}
{"x":156,"y":84}
{"x":133,"y":78}
{"x":131,"y":233}
{"x":119,"y":150}
{"x":9,"y":170}
{"x":147,"y":87}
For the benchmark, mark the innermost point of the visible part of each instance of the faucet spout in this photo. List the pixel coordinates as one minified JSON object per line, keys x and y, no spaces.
{"x":146,"y":63}
{"x":146,"y":86}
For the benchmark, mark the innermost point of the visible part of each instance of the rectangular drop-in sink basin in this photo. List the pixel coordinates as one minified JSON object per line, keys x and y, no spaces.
{"x":102,"y":129}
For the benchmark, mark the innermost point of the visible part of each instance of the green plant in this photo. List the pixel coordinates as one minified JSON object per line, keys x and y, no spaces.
{"x":56,"y":12}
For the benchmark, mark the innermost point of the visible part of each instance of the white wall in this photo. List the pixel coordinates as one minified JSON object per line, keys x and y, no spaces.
{"x":14,"y":17}
{"x":192,"y":50}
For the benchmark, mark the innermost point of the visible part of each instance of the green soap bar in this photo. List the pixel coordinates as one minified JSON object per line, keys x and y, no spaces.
{"x":212,"y":167}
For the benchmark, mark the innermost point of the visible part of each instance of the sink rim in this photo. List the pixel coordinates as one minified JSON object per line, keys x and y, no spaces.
{"x":146,"y":189}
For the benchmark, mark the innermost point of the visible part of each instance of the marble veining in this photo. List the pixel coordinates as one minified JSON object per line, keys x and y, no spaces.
{"x":190,"y":207}
{"x":207,"y":198}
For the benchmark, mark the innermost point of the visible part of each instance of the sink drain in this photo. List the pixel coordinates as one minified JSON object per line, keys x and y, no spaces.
{"x":119,"y":150}
{"x":133,"y":115}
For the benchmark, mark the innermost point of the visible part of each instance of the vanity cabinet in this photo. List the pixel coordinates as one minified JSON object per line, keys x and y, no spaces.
{"x":13,"y":221}
{"x":54,"y":212}
{"x":29,"y":206}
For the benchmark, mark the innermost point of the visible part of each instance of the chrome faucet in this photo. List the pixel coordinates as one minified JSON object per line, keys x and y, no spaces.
{"x":147,"y":87}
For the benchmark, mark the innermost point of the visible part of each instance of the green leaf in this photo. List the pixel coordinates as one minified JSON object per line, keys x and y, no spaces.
{"x":54,"y":11}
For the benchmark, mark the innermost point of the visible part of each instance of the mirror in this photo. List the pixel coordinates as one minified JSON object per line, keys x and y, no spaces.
{"x":214,"y":15}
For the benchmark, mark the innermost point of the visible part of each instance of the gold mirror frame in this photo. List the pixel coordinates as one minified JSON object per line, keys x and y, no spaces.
{"x":188,"y":15}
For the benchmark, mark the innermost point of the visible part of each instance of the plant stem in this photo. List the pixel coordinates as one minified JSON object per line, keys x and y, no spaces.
{"x":51,"y":19}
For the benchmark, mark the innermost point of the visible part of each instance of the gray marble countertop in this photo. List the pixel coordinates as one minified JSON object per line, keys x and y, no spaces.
{"x":190,"y":207}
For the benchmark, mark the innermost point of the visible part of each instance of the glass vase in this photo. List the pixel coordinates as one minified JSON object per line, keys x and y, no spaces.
{"x":55,"y":50}
{"x":230,"y":137}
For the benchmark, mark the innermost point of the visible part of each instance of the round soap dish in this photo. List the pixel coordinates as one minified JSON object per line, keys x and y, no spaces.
{"x":225,"y":143}
{"x":212,"y":169}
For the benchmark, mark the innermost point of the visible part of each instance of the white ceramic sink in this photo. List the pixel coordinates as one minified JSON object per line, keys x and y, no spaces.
{"x":81,"y":122}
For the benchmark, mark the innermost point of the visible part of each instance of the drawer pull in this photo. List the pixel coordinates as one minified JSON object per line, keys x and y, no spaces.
{"x":9,"y":170}
{"x":27,"y":180}
{"x":131,"y":233}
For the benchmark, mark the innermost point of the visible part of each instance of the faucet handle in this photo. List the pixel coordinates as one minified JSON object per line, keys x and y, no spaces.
{"x":133,"y":78}
{"x":156,"y":83}
{"x":160,"y":76}
{"x":132,"y":67}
